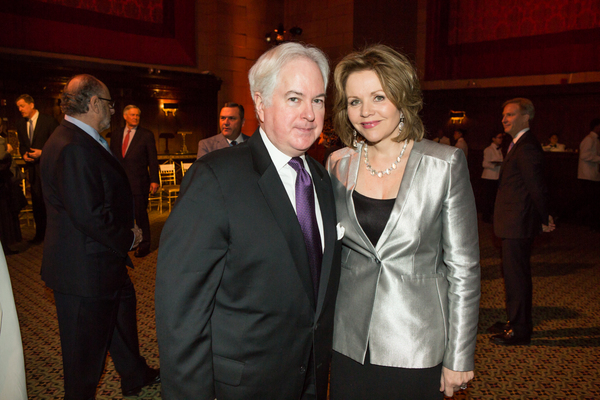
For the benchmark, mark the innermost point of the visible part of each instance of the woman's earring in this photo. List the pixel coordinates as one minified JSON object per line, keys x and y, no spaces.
{"x":401,"y":124}
{"x":355,"y":142}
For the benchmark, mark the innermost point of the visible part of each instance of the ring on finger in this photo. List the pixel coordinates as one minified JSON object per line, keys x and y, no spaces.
{"x":463,"y":386}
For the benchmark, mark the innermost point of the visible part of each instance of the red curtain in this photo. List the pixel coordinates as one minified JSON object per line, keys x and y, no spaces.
{"x":469,"y":39}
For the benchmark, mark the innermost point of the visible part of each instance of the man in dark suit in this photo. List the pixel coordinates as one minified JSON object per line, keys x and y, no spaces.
{"x":33,"y":131}
{"x":135,"y":147}
{"x":520,"y":213}
{"x":231,"y":122}
{"x":90,"y":231}
{"x":248,"y":271}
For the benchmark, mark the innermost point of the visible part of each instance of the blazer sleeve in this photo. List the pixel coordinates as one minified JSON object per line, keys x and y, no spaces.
{"x":191,"y":261}
{"x":202,"y":149}
{"x":461,"y":256}
{"x":82,"y":191}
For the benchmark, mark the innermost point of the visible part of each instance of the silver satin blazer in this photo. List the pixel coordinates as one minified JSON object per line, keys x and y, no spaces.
{"x":413,"y":299}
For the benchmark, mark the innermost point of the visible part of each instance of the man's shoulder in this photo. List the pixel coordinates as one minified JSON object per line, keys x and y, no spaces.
{"x":144,"y":131}
{"x":213,"y":139}
{"x":47,"y":120}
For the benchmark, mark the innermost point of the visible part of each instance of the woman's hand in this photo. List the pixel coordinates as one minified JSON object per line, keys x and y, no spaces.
{"x":451,"y":381}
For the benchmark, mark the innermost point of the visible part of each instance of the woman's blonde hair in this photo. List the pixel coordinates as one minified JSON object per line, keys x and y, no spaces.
{"x":399,"y":81}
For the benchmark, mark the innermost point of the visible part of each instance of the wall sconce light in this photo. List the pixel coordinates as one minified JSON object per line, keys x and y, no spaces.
{"x":280,"y":35}
{"x":169,"y":108}
{"x":457,"y":117}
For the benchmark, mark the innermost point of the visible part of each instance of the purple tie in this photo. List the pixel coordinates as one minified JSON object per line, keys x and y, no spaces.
{"x":305,"y":211}
{"x":510,"y":147}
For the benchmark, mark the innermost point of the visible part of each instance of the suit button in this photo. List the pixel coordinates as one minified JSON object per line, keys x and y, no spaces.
{"x":302,"y":369}
{"x":316,"y":326}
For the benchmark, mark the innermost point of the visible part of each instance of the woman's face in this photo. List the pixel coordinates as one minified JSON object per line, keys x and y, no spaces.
{"x":371,"y":113}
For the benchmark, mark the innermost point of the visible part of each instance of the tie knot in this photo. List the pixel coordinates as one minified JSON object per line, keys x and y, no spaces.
{"x":296,"y":163}
{"x":233,"y":143}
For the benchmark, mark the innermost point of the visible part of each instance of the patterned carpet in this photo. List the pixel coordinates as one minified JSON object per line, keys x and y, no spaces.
{"x":563,"y":361}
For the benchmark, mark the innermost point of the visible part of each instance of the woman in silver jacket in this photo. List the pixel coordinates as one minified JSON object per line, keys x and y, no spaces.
{"x":408,"y":300}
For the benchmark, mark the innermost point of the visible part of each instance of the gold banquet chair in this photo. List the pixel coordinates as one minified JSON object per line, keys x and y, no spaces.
{"x":184,"y":167}
{"x":169,"y":188}
{"x":155,"y":199}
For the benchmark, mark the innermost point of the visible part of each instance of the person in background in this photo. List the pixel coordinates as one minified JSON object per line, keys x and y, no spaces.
{"x":408,"y":303}
{"x":588,"y":174}
{"x":459,"y":141}
{"x":12,"y":363}
{"x":492,"y":160}
{"x":33,"y":131}
{"x":10,"y":227}
{"x":135,"y":147}
{"x":90,"y":230}
{"x":520,"y":213}
{"x":231,"y":122}
{"x":553,"y":145}
{"x":442,"y":138}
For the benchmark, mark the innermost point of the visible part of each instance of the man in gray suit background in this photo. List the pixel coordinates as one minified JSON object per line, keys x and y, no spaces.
{"x":231,"y":122}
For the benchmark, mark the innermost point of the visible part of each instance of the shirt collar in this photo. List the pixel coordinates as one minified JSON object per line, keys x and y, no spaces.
{"x":238,"y":139}
{"x":516,"y":139}
{"x":279,"y":159}
{"x":85,"y":127}
{"x":36,"y":114}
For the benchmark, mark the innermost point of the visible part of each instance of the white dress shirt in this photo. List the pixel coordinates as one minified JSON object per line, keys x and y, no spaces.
{"x":492,"y":161}
{"x":32,"y":121}
{"x":288,"y":178}
{"x":589,"y":158}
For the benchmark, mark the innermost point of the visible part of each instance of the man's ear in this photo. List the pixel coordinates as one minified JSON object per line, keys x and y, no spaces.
{"x":260,"y":107}
{"x":95,"y":104}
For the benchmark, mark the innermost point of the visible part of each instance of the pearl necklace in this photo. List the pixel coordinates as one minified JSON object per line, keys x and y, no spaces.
{"x":387,"y":171}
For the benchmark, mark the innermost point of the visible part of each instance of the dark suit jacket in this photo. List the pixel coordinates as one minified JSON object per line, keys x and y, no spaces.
{"x":43,"y":129}
{"x":140,"y":161}
{"x":213,"y":143}
{"x":521,"y":202}
{"x":235,"y":310}
{"x":90,"y":215}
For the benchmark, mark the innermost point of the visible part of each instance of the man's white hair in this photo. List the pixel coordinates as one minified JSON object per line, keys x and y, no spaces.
{"x":264,"y":74}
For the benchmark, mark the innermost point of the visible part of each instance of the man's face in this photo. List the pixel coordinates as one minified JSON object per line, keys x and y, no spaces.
{"x":512,"y":119}
{"x":26,"y":109}
{"x":294,"y":120}
{"x":132,"y":117}
{"x":498,"y":139}
{"x":106,"y":111}
{"x":230,"y":122}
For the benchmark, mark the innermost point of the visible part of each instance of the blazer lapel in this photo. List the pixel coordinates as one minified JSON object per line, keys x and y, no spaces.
{"x":133,"y":143}
{"x":326,"y":204}
{"x":276,"y":197}
{"x":351,"y":179}
{"x":410,"y":172}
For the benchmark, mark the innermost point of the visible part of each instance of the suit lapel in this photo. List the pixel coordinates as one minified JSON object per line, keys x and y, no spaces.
{"x":276,"y":197}
{"x":510,"y":155}
{"x":412,"y":165}
{"x":350,"y":184}
{"x":326,"y":204}
{"x":133,"y":142}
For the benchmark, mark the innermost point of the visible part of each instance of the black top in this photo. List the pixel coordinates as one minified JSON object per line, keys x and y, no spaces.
{"x":372,"y":214}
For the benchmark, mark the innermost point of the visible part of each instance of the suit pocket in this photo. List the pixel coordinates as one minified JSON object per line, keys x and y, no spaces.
{"x":227,"y":371}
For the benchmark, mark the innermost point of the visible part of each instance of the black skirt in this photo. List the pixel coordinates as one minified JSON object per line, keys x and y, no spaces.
{"x":351,"y":380}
